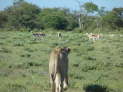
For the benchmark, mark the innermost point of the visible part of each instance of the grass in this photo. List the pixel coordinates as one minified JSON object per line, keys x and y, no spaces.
{"x":93,"y":66}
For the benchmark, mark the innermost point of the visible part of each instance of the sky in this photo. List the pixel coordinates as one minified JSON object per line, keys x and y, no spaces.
{"x":71,"y":4}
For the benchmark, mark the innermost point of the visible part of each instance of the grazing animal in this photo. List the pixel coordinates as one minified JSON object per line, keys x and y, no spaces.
{"x":94,"y":36}
{"x":59,"y":34}
{"x":38,"y":35}
{"x":58,"y":69}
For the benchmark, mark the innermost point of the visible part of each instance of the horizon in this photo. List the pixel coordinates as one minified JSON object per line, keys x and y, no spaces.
{"x":70,"y":4}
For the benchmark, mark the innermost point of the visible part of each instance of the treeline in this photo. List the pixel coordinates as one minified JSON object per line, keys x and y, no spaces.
{"x":90,"y":17}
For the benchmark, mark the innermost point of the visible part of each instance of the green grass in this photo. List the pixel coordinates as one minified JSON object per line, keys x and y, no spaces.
{"x":95,"y":66}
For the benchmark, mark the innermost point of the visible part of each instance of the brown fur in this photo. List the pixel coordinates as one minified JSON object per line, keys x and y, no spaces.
{"x":58,"y":69}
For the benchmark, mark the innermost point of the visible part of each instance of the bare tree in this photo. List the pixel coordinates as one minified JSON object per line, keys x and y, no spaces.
{"x":79,"y":14}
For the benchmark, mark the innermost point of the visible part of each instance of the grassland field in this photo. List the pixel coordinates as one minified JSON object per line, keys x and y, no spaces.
{"x":24,"y":62}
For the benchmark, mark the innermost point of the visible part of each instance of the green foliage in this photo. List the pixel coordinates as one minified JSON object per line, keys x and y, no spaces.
{"x":26,"y":15}
{"x":90,"y":7}
{"x":3,"y":19}
{"x":57,"y":18}
{"x":72,"y":22}
{"x":22,"y":14}
{"x":119,"y":11}
{"x":113,"y":19}
{"x":54,"y":21}
{"x":101,"y":11}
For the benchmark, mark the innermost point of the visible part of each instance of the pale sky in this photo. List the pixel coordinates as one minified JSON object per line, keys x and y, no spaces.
{"x":71,"y":4}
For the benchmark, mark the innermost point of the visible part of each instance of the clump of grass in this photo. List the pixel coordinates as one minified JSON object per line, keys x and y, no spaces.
{"x":33,"y":64}
{"x":4,"y":73}
{"x":5,"y":50}
{"x":90,"y":49}
{"x":86,"y":68}
{"x":75,"y":50}
{"x":18,"y":44}
{"x":26,"y":55}
{"x":119,"y":65}
{"x":16,"y":88}
{"x":90,"y":58}
{"x":1,"y":43}
{"x":79,"y":54}
{"x":55,"y":44}
{"x":20,"y":65}
{"x":75,"y":65}
{"x":25,"y":65}
{"x":28,"y":49}
{"x":79,"y":77}
{"x":33,"y":42}
{"x":71,"y":74}
{"x":4,"y":37}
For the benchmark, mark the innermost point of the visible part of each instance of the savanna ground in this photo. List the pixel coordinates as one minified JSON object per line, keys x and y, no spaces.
{"x":24,"y":62}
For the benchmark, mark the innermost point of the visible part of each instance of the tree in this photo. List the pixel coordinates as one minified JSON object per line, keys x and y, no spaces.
{"x":99,"y":20}
{"x":119,"y":12}
{"x":53,"y":18}
{"x":54,"y":21}
{"x":72,"y":21}
{"x":22,"y":14}
{"x":87,"y":9}
{"x":101,"y":11}
{"x":18,"y":2}
{"x":90,"y":7}
{"x":113,"y":19}
{"x":78,"y":14}
{"x":3,"y":19}
{"x":57,"y":18}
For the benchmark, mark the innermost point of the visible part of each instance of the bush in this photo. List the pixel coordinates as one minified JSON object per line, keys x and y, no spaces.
{"x":78,"y":30}
{"x":54,"y":21}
